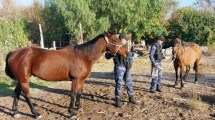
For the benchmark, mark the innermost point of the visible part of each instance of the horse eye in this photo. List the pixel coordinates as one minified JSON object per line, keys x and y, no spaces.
{"x":116,"y":40}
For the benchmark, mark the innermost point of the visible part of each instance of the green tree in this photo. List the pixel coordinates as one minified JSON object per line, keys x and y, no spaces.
{"x":62,"y":17}
{"x":141,"y":17}
{"x":13,"y":34}
{"x":194,"y":26}
{"x":14,"y":31}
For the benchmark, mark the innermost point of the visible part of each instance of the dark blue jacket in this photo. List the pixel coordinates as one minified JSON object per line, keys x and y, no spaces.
{"x":120,"y":60}
{"x":156,"y":52}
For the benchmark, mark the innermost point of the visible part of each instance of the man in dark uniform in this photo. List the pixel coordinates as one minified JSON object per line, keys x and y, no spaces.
{"x":122,"y":66}
{"x":156,"y":56}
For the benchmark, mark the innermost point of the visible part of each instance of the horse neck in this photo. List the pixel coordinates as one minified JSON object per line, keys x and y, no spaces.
{"x":181,"y":51}
{"x":97,"y":50}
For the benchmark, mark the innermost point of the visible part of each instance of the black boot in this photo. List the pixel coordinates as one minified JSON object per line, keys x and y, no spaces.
{"x":132,"y":100}
{"x":158,"y":89}
{"x":118,"y":102}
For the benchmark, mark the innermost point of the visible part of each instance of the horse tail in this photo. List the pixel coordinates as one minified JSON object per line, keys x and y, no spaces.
{"x":7,"y":68}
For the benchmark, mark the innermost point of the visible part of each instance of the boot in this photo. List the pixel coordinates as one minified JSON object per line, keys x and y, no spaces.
{"x":118,"y":102}
{"x":158,"y":89}
{"x":132,"y":100}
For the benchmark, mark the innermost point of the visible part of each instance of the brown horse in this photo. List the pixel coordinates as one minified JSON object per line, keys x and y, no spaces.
{"x":185,"y":56}
{"x":72,"y":63}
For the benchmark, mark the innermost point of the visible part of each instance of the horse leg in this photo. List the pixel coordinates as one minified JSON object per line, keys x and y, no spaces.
{"x":181,"y":73}
{"x":78,"y":97}
{"x":186,"y":73}
{"x":176,"y":75}
{"x":196,"y":64}
{"x":17,"y":93}
{"x":25,"y":89}
{"x":76,"y":87}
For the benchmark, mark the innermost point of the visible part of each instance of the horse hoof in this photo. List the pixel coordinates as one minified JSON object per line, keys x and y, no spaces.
{"x":74,"y":117}
{"x":17,"y":115}
{"x":80,"y":109}
{"x":38,"y":117}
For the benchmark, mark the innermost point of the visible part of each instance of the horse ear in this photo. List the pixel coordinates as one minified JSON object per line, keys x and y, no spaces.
{"x":179,"y":36}
{"x":108,"y":34}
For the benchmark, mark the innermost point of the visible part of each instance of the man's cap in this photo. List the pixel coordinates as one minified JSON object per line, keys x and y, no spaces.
{"x":160,"y":38}
{"x":123,"y":36}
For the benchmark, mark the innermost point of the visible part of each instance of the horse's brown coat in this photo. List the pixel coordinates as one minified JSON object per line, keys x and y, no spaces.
{"x":186,"y":56}
{"x":71,"y":63}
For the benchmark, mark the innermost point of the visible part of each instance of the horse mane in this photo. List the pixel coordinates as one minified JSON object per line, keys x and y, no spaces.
{"x":88,"y":45}
{"x":84,"y":48}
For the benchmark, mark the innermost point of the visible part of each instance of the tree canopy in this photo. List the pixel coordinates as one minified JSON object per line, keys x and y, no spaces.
{"x":143,"y":18}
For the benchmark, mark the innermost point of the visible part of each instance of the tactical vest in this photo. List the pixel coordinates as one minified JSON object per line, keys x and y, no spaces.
{"x":123,"y":61}
{"x":119,"y":60}
{"x":158,"y":53}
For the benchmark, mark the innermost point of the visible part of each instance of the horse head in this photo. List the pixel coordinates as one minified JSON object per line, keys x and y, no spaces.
{"x":177,"y":42}
{"x":115,"y":45}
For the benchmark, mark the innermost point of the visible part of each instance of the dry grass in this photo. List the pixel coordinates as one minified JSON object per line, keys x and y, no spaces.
{"x":210,"y":52}
{"x":190,"y":94}
{"x":196,"y":101}
{"x":197,"y":105}
{"x":168,"y":97}
{"x":206,"y":67}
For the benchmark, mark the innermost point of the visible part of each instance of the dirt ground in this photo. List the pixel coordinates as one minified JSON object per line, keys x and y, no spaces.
{"x":194,"y":102}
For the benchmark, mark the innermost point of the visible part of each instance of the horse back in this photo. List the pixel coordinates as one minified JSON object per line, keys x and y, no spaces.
{"x":192,"y":53}
{"x":196,"y":50}
{"x":45,"y":64}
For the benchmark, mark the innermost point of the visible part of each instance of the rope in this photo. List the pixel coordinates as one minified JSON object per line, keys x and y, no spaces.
{"x":171,"y":63}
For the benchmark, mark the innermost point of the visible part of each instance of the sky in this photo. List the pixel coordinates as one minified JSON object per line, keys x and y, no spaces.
{"x":182,"y":3}
{"x":185,"y":3}
{"x":25,"y":2}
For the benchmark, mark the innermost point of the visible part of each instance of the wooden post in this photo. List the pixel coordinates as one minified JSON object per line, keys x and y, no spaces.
{"x":81,"y":33}
{"x":41,"y":37}
{"x":54,"y":45}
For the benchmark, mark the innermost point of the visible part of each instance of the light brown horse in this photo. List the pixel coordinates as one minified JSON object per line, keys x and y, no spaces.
{"x":186,"y":56}
{"x":72,"y":63}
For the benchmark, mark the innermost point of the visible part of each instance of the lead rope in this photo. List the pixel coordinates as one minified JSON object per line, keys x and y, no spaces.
{"x":171,"y":63}
{"x":174,"y":57}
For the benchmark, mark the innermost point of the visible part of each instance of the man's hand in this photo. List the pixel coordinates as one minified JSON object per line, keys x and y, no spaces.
{"x":155,"y":64}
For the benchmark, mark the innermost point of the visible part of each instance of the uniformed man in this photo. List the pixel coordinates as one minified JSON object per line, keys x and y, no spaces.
{"x":156,"y":56}
{"x":122,"y":65}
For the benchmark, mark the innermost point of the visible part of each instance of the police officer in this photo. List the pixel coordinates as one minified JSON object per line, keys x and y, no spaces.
{"x":156,"y":56}
{"x":122,"y":66}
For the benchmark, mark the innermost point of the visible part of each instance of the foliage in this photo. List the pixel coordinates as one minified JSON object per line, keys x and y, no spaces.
{"x":140,"y":17}
{"x":194,"y":26}
{"x":62,"y":18}
{"x":13,"y":34}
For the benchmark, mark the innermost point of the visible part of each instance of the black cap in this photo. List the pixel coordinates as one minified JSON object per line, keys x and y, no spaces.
{"x":160,"y":38}
{"x":123,"y":36}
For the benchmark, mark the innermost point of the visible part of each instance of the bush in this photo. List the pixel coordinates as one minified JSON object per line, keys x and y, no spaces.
{"x":13,"y":35}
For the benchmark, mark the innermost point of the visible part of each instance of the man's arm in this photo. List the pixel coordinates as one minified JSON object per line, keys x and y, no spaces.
{"x":165,"y":46}
{"x":130,"y":60}
{"x":108,"y":55}
{"x":152,"y":53}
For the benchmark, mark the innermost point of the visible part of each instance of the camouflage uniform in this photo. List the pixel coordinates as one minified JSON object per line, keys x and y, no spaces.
{"x":156,"y":70}
{"x":156,"y":56}
{"x":121,"y":73}
{"x":122,"y":66}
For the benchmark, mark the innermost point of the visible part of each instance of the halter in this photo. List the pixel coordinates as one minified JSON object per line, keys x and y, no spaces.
{"x":119,"y":46}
